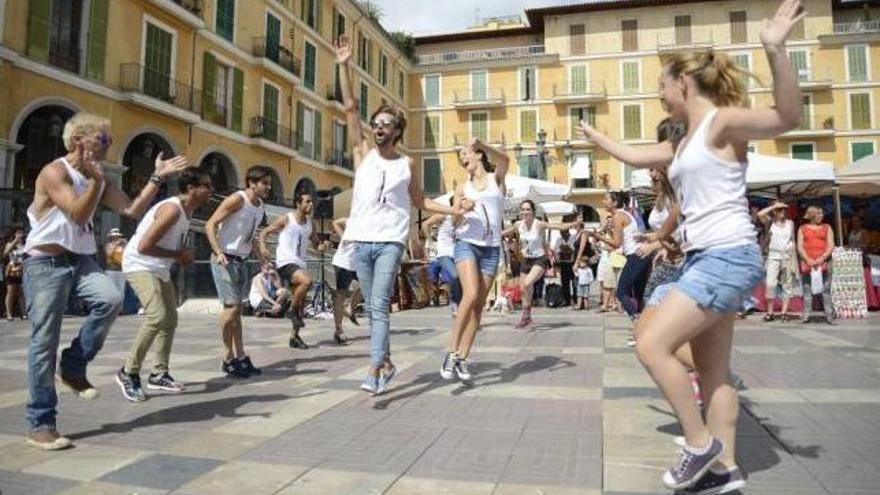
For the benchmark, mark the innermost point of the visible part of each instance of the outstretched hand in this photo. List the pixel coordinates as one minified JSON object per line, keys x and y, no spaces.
{"x":171,"y":166}
{"x":342,"y":47}
{"x":777,"y":29}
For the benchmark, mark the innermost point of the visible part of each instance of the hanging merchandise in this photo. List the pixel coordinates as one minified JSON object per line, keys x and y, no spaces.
{"x":848,"y":284}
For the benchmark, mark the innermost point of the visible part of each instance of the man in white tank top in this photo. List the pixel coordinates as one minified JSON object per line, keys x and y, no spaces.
{"x":61,"y":260}
{"x":343,"y":263}
{"x":231,"y":231}
{"x":155,"y":246}
{"x":295,"y":232}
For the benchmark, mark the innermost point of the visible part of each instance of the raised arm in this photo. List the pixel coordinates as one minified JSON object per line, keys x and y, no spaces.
{"x":422,"y":202}
{"x":646,"y":156}
{"x":497,"y":157}
{"x":433,"y":220}
{"x":276,"y":226}
{"x":119,"y":202}
{"x":743,"y":124}
{"x":230,"y":205}
{"x":356,"y":139}
{"x":764,"y":215}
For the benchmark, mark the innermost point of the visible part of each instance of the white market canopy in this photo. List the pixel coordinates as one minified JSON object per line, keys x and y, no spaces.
{"x":788,"y":176}
{"x":861,"y":177}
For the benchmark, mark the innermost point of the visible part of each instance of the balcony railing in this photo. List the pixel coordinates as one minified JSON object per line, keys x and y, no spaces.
{"x":861,"y":26}
{"x":334,"y":93}
{"x":812,"y":126}
{"x":591,"y":91}
{"x":194,"y":6}
{"x":273,"y":131}
{"x":216,"y":113}
{"x":479,"y":97}
{"x":673,"y":42}
{"x":139,"y":79}
{"x":461,"y":140}
{"x":507,"y":53}
{"x":814,"y":77}
{"x":278,"y":54}
{"x":65,"y":56}
{"x":340,"y":158}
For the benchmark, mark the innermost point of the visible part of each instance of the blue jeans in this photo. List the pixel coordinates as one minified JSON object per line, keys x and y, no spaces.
{"x":48,"y":283}
{"x":377,"y":265}
{"x":632,"y":282}
{"x":445,"y":265}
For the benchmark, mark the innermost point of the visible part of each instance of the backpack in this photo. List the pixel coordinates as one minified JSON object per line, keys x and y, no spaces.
{"x":553,"y":295}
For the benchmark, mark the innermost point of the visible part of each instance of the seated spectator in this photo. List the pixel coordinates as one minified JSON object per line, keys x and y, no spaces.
{"x":268,"y":297}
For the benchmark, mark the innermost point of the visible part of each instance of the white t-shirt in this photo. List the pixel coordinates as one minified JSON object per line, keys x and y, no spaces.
{"x":344,"y":256}
{"x":585,"y":276}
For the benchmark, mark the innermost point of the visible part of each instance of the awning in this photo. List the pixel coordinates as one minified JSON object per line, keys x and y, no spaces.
{"x":861,"y":177}
{"x":556,"y":208}
{"x":774,"y":175}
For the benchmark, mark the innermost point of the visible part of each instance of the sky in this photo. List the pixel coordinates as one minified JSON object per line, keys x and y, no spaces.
{"x":422,"y":17}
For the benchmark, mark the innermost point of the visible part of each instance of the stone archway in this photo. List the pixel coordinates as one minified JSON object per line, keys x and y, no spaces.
{"x":305,"y":185}
{"x":139,"y":159}
{"x":40,"y":135}
{"x":277,"y":194}
{"x":222,"y":171}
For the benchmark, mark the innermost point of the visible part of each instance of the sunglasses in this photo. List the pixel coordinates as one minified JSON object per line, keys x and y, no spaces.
{"x":105,"y":139}
{"x":383,"y":123}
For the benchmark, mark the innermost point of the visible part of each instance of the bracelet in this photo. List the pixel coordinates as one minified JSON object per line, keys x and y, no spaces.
{"x":155,"y":179}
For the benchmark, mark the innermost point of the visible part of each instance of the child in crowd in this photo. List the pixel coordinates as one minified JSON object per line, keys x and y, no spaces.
{"x":584,"y":279}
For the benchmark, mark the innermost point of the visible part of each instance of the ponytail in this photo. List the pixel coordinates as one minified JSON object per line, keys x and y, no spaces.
{"x":715,"y":73}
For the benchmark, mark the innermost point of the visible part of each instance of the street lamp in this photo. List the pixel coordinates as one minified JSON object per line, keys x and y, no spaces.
{"x":541,"y":142}
{"x":517,"y":151}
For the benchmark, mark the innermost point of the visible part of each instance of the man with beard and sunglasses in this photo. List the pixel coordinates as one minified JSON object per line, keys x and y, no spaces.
{"x":379,"y":222}
{"x":294,"y":231}
{"x":61,"y":261}
{"x":230,"y":231}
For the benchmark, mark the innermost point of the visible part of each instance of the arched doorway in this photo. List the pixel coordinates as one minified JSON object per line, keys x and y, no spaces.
{"x":140,"y":158}
{"x":40,"y":134}
{"x":305,"y":185}
{"x":277,"y":194}
{"x":222,"y":172}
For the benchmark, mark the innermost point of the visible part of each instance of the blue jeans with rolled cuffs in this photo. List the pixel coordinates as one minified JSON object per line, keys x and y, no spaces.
{"x":48,"y":284}
{"x":377,"y":265}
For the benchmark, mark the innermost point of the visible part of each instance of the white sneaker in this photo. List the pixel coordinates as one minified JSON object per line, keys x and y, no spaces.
{"x":447,"y":369}
{"x":461,"y":370}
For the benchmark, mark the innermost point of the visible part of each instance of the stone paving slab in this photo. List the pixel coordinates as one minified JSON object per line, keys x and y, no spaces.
{"x":563,"y":408}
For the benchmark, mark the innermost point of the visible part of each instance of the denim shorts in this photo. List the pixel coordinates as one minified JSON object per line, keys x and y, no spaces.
{"x":485,"y":256}
{"x":719,"y":279}
{"x":583,"y":290}
{"x":231,"y":280}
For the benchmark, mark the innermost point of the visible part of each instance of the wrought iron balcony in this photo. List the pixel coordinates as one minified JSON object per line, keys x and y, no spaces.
{"x":860,"y":26}
{"x":588,"y":92}
{"x":334,"y":93}
{"x":683,"y":41}
{"x":479,"y":98}
{"x":491,"y":54}
{"x":273,"y":131}
{"x":136,"y":78}
{"x":273,"y":51}
{"x":340,"y":158}
{"x":194,"y":6}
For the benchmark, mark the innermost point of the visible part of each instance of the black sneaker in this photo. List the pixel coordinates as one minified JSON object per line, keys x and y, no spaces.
{"x":713,"y":483}
{"x":296,"y":342}
{"x":341,"y":339}
{"x":164,"y":381}
{"x":130,"y":386}
{"x":691,"y":466}
{"x":233,"y":368}
{"x":248,"y":367}
{"x":296,"y":318}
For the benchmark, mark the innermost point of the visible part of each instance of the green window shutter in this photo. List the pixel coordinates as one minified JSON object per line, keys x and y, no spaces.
{"x":432,"y":91}
{"x":365,"y":102}
{"x":270,"y":112}
{"x":480,"y":126}
{"x":237,"y":99}
{"x":802,"y":151}
{"x":861,"y":150}
{"x":860,"y":110}
{"x":225,"y":25}
{"x":317,"y":139}
{"x":528,"y":126}
{"x":157,"y":62}
{"x":799,"y":65}
{"x":583,"y":113}
{"x":273,"y":36}
{"x":479,"y":89}
{"x":579,"y":80}
{"x":858,"y":63}
{"x":632,"y":122}
{"x":630,"y":77}
{"x":309,"y":77}
{"x":39,"y":14}
{"x":318,"y":16}
{"x":300,"y":119}
{"x":433,"y":176}
{"x":97,"y":39}
{"x":209,"y":87}
{"x":432,"y":123}
{"x":742,"y":61}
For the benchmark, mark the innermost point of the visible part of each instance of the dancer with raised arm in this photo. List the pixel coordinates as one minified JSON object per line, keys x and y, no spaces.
{"x":61,"y":262}
{"x":723,"y":261}
{"x":230,"y":232}
{"x":477,"y":248}
{"x":379,"y":222}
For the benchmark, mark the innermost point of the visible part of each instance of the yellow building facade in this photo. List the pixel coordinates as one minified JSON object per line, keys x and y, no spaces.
{"x":528,"y":84}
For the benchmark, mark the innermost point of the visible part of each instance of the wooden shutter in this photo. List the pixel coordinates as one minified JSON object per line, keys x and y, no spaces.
{"x":683,"y":29}
{"x":578,"y":80}
{"x":225,"y":25}
{"x":577,"y":39}
{"x":309,"y":77}
{"x":365,"y":101}
{"x":860,"y":110}
{"x":318,"y":16}
{"x":270,"y":112}
{"x":300,"y":124}
{"x":317,"y":138}
{"x":630,"y":31}
{"x":632,"y":122}
{"x":858,"y":63}
{"x":630,"y":77}
{"x":738,"y":31}
{"x":479,"y":126}
{"x":39,"y":13}
{"x":209,"y":87}
{"x":237,"y":99}
{"x":528,"y":126}
{"x":97,"y":39}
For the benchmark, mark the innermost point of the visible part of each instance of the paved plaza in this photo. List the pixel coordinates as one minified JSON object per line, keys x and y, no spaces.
{"x":563,"y":408}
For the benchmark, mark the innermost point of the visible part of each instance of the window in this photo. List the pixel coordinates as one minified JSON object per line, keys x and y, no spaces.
{"x":532,"y":167}
{"x":806,"y":112}
{"x":797,"y":32}
{"x":273,"y":37}
{"x":223,"y":94}
{"x":631,"y":79}
{"x":311,"y":12}
{"x":857,"y":63}
{"x":738,"y":31}
{"x":338,"y":24}
{"x":632,"y":122}
{"x":860,"y":110}
{"x":310,"y":62}
{"x":578,"y":80}
{"x":480,"y":126}
{"x":365,"y":101}
{"x":577,"y":114}
{"x":401,"y":85}
{"x":479,"y":85}
{"x":433,"y":176}
{"x":577,"y":39}
{"x":432,"y":131}
{"x":364,"y":56}
{"x":527,"y":83}
{"x":752,"y":148}
{"x":308,"y":131}
{"x":859,"y":150}
{"x":630,"y":32}
{"x":800,"y":64}
{"x":528,"y":126}
{"x":581,"y":171}
{"x":432,"y":90}
{"x":340,"y":143}
{"x":744,"y":62}
{"x":802,"y":151}
{"x":383,"y":69}
{"x":222,"y":102}
{"x":225,"y":21}
{"x":270,"y":112}
{"x":158,"y":56}
{"x":683,"y":30}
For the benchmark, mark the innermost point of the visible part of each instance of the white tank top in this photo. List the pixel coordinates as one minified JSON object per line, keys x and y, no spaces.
{"x":380,"y":202}
{"x":293,"y":242}
{"x":657,"y":217}
{"x":56,"y":227}
{"x":629,"y":244}
{"x":531,"y":239}
{"x":344,"y":256}
{"x":134,"y":261}
{"x":482,"y":225}
{"x":254,"y":296}
{"x":781,"y":239}
{"x":237,"y":231}
{"x":714,"y":208}
{"x":446,"y":238}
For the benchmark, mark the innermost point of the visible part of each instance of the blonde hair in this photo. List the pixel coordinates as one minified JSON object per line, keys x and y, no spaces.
{"x":811,"y":212}
{"x":82,"y":124}
{"x":717,"y":76}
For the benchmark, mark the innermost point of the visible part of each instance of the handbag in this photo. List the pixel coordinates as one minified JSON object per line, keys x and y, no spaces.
{"x":617,"y":260}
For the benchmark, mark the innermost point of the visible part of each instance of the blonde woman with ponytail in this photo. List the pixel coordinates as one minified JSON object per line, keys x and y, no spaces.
{"x":723,"y":262}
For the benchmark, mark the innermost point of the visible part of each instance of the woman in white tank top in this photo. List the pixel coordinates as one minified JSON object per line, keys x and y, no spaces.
{"x":477,"y":248}
{"x":532,"y":234}
{"x":723,"y":264}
